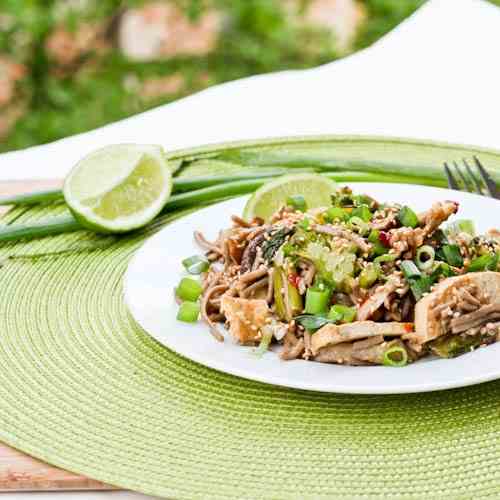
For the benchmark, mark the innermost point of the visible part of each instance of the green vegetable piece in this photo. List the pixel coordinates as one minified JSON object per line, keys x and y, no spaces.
{"x":188,"y":312}
{"x":363,"y":199}
{"x":285,"y":310}
{"x":334,"y":315}
{"x":189,"y":289}
{"x":279,"y":296}
{"x":374,"y":236}
{"x":487,"y":262}
{"x":343,"y":198}
{"x":288,"y":249}
{"x":313,"y":322}
{"x":451,"y":346}
{"x":297,"y":202}
{"x":348,"y":314}
{"x":425,"y":257}
{"x":407,"y":217}
{"x":304,"y":224}
{"x":334,"y":263}
{"x":272,"y":245}
{"x":442,"y":269}
{"x":336,"y":213}
{"x":452,"y":255}
{"x":359,"y":225}
{"x":294,"y":299}
{"x":317,"y":300}
{"x":410,"y":270}
{"x":420,"y":286}
{"x":363,"y":212}
{"x":369,"y":275}
{"x":379,"y":249}
{"x":440,"y":237}
{"x":395,"y":356}
{"x":461,"y":226}
{"x":493,"y":264}
{"x":388,"y":257}
{"x":265,"y":341}
{"x":196,"y":264}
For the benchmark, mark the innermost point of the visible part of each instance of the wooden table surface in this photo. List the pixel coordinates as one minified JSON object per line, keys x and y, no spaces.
{"x":19,"y":471}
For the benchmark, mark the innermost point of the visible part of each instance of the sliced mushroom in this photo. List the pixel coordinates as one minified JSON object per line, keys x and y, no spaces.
{"x":250,"y":253}
{"x":340,"y":354}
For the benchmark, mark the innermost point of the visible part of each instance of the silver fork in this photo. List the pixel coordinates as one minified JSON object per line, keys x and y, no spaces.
{"x":466,"y":180}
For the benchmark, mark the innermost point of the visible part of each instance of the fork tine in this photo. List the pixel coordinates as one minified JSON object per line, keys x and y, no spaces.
{"x":491,"y":185}
{"x":452,"y":183}
{"x":475,"y":180}
{"x":466,"y":182}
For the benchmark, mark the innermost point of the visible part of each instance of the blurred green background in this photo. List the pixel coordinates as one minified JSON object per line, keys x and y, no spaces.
{"x":67,"y":66}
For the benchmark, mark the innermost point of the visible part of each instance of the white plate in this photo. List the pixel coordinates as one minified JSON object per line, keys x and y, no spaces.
{"x":156,"y":269}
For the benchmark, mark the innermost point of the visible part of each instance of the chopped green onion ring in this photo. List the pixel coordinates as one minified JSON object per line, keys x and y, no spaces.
{"x":395,"y":356}
{"x":188,"y":312}
{"x":425,"y":257}
{"x":189,"y":289}
{"x":420,"y":286}
{"x":410,"y":270}
{"x":196,"y":264}
{"x":317,"y":300}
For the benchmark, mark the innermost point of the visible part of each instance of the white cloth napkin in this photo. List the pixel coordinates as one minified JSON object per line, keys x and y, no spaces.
{"x":436,"y":76}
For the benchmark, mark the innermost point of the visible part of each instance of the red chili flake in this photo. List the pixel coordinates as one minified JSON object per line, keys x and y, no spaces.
{"x":385,"y":238}
{"x":293,"y":279}
{"x":409,"y":327}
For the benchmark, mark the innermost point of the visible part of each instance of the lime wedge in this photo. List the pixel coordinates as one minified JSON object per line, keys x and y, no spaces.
{"x":119,"y":188}
{"x":315,"y":189}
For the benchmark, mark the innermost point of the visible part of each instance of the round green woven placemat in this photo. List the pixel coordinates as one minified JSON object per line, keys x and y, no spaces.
{"x":84,"y":388}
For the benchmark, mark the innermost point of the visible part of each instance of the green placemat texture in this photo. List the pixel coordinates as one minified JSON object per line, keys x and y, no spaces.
{"x":84,"y":388}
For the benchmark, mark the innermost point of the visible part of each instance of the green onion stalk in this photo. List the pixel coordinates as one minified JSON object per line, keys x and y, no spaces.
{"x":185,"y":199}
{"x":253,"y":163}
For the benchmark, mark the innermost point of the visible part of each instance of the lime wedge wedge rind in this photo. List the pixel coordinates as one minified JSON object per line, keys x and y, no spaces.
{"x":119,"y":188}
{"x":271,"y":196}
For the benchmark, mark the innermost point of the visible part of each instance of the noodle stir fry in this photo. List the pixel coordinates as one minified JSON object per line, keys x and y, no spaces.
{"x":359,"y":282}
